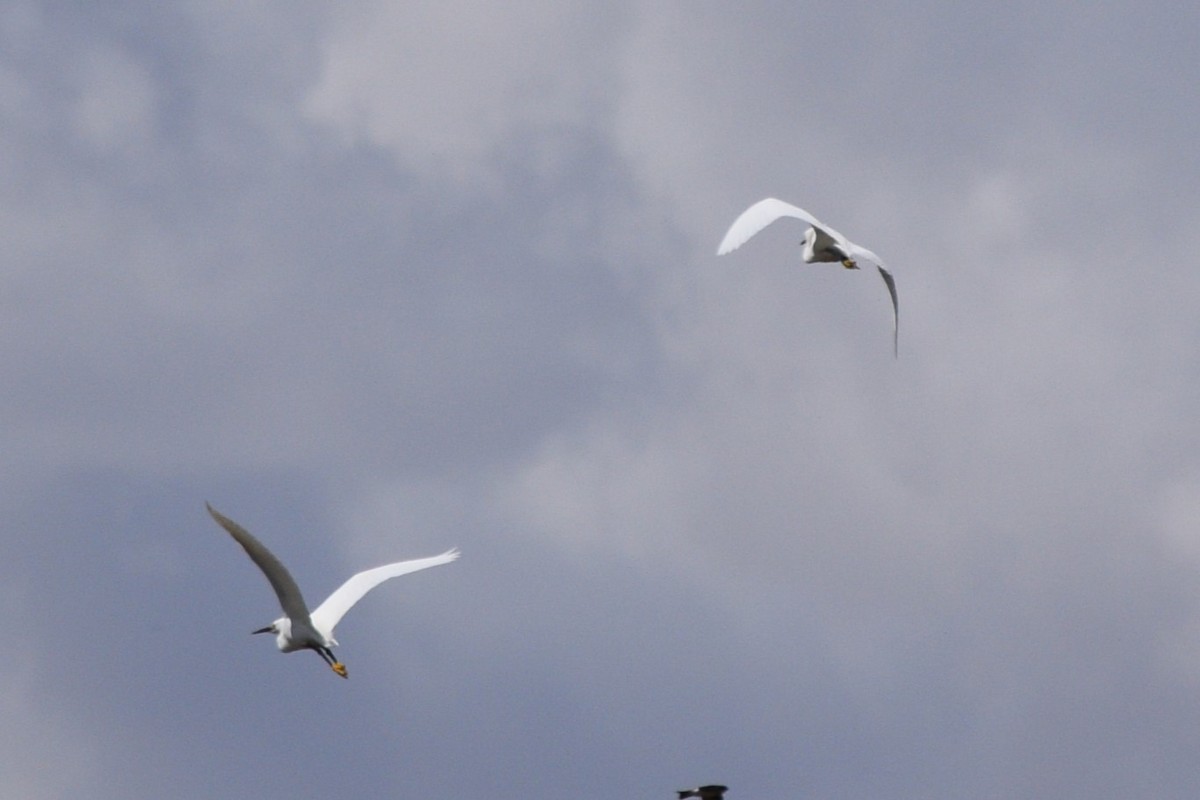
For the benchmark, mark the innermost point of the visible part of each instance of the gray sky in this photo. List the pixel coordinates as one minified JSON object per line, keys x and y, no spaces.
{"x":379,"y":279}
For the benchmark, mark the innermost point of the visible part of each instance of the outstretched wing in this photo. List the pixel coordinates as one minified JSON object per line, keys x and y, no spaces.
{"x":863,"y":253}
{"x":891,"y":287}
{"x":281,"y":580}
{"x":327,"y":615}
{"x":762,"y":214}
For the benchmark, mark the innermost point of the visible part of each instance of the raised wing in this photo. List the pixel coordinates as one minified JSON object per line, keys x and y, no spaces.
{"x":762,"y":214}
{"x":327,"y":615}
{"x":281,"y":580}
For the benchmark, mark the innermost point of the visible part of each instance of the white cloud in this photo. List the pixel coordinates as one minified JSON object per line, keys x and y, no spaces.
{"x":117,"y":105}
{"x":442,"y":86}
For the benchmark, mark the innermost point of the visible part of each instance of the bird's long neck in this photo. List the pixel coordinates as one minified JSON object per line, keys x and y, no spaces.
{"x":283,"y":633}
{"x":810,"y":245}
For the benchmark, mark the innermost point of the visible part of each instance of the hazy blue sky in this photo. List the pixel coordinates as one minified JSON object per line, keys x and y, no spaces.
{"x":378,"y":279}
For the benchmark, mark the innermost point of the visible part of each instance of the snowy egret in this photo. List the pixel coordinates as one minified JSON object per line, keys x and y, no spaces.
{"x":298,"y":629}
{"x":821,"y":243}
{"x":711,"y":792}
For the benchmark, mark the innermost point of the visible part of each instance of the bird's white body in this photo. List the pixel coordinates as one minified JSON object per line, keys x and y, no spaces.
{"x":283,"y":636}
{"x":300,"y":629}
{"x":821,"y":244}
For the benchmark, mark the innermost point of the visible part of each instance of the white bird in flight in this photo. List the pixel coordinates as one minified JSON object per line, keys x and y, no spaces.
{"x":298,"y":628}
{"x":821,"y":243}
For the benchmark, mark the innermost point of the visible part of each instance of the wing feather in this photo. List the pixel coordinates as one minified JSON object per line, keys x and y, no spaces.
{"x":891,"y":287}
{"x":863,"y":253}
{"x":327,"y":615}
{"x":281,"y":580}
{"x":762,"y":214}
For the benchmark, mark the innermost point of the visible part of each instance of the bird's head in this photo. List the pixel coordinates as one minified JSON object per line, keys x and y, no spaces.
{"x":282,"y":628}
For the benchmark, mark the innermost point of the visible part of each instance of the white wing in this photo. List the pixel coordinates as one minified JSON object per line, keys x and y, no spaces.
{"x":762,"y":214}
{"x":327,"y":615}
{"x":863,"y":253}
{"x":891,"y":287}
{"x":281,"y":580}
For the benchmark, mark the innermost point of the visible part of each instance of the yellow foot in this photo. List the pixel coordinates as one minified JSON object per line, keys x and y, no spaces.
{"x":848,"y":263}
{"x":339,"y":668}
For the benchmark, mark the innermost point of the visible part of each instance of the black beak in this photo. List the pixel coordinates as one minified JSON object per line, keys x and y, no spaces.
{"x":268,"y":629}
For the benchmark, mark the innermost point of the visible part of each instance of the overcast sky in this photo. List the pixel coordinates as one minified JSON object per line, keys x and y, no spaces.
{"x":378,"y":279}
